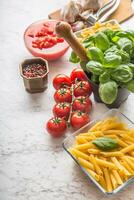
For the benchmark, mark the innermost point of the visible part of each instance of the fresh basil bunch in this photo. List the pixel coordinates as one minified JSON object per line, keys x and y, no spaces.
{"x":111,"y":62}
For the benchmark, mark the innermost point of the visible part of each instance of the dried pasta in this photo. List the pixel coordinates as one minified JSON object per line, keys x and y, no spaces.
{"x":110,"y":168}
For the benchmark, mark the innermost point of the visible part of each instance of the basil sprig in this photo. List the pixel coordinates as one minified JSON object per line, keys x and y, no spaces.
{"x":105,"y":143}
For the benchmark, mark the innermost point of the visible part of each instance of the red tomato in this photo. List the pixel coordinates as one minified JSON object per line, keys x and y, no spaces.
{"x":61,"y":80}
{"x":78,"y":74}
{"x":79,"y":119}
{"x":62,"y":110}
{"x":63,"y":95}
{"x":51,"y":51}
{"x":82,"y":104}
{"x":82,"y":88}
{"x":56,"y":126}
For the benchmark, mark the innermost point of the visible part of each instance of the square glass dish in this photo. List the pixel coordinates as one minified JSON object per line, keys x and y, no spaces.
{"x":69,"y":141}
{"x":113,"y":24}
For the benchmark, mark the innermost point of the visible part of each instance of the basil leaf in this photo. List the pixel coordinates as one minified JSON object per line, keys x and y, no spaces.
{"x":74,"y":58}
{"x":105,"y":143}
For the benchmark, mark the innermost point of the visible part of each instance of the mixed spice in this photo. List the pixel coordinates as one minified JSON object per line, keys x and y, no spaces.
{"x":34,"y":70}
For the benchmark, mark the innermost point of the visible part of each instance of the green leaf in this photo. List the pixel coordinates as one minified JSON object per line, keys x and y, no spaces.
{"x":112,"y":49}
{"x":95,"y":78}
{"x":115,"y":39}
{"x":124,"y":55}
{"x":88,"y":42}
{"x":127,"y":34}
{"x":74,"y":58}
{"x":108,"y":92}
{"x":101,"y":41}
{"x":125,"y":44}
{"x":112,"y":60}
{"x":105,"y":77}
{"x":122,"y":73}
{"x":105,"y":143}
{"x":95,"y":54}
{"x":130,"y":85}
{"x":131,"y":65}
{"x":94,"y":67}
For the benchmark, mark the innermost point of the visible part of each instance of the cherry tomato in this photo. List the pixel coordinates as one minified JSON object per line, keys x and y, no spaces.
{"x":82,"y":88}
{"x":61,"y":80}
{"x":82,"y":104}
{"x":63,"y":95}
{"x":79,"y":119}
{"x":78,"y":74}
{"x":56,"y":126}
{"x":62,"y":110}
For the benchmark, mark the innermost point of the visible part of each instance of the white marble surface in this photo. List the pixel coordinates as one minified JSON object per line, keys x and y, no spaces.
{"x":34,"y":166}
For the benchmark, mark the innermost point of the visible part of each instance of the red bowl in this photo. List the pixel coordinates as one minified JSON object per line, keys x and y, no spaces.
{"x":52,"y":53}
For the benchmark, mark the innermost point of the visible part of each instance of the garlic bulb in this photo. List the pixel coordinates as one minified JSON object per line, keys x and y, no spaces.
{"x":90,"y":4}
{"x":77,"y":26}
{"x":71,"y":11}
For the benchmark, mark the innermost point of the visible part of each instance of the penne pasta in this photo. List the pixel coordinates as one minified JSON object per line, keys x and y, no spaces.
{"x":112,"y":136}
{"x":128,"y":149}
{"x":130,"y":157}
{"x":96,"y":133}
{"x":120,"y":167}
{"x":93,"y":174}
{"x":131,"y":153}
{"x":96,"y":166}
{"x":112,"y":154}
{"x":84,"y":146}
{"x":121,"y":126}
{"x":116,"y":132}
{"x":117,"y":177}
{"x":105,"y":163}
{"x":81,"y":140}
{"x":102,"y":182}
{"x":107,"y":179}
{"x":85,"y":163}
{"x":96,"y":126}
{"x":76,"y":153}
{"x":126,"y":165}
{"x":121,"y":143}
{"x":127,"y":137}
{"x":93,"y":151}
{"x":110,"y":167}
{"x":130,"y":163}
{"x":113,"y":181}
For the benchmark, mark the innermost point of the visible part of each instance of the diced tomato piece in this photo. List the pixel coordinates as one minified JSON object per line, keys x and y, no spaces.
{"x":31,"y":35}
{"x":46,"y":44}
{"x":54,"y":40}
{"x":34,"y":46}
{"x":60,"y":40}
{"x":50,"y":31}
{"x":46,"y":24}
{"x":54,"y":35}
{"x":42,"y":44}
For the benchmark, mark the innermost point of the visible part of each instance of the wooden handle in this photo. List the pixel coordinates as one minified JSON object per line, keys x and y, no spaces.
{"x":63,"y":29}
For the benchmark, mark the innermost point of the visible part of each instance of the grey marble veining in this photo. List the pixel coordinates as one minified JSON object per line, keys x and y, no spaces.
{"x":34,"y":166}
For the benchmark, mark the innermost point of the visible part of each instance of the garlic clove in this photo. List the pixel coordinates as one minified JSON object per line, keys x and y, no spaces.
{"x":71,"y":11}
{"x":77,"y":26}
{"x":90,"y":4}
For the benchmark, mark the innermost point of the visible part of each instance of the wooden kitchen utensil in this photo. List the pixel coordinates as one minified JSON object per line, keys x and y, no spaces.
{"x":123,"y":12}
{"x":63,"y":29}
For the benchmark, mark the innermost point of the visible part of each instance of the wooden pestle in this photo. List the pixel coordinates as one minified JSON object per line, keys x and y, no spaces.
{"x":63,"y":29}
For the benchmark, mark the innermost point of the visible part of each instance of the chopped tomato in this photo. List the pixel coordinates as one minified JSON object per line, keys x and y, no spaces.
{"x":40,"y":39}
